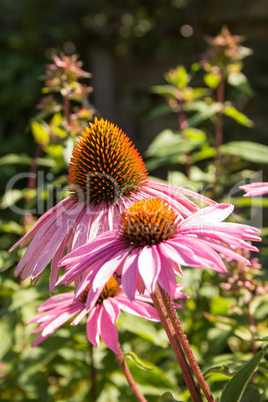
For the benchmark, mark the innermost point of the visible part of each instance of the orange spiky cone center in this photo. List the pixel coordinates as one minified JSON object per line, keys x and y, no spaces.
{"x":148,"y":222}
{"x":111,"y":289}
{"x":105,"y":164}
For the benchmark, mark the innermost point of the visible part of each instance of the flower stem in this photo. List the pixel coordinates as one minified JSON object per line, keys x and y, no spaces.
{"x":122,"y":363}
{"x":92,"y":374}
{"x":175,"y":343}
{"x":184,"y":342}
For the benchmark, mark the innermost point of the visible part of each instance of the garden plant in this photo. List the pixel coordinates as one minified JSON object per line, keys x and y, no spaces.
{"x":139,"y":287}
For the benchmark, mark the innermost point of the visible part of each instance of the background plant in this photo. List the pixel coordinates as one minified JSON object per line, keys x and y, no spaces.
{"x":217,"y":317}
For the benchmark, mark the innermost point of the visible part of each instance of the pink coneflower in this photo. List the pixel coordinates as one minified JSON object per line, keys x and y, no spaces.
{"x":101,"y":318}
{"x":151,"y":245}
{"x":255,"y":189}
{"x":106,"y":176}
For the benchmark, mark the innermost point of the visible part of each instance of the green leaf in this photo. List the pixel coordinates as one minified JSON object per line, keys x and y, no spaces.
{"x":241,"y":118}
{"x":236,"y":386}
{"x":167,"y":397}
{"x":139,"y":362}
{"x":195,"y":134}
{"x":251,"y":394}
{"x":206,"y":111}
{"x":250,"y":151}
{"x":14,"y":159}
{"x":212,"y":80}
{"x":164,"y":90}
{"x":224,"y":370}
{"x":11,"y":197}
{"x":10,"y":227}
{"x":40,"y":132}
{"x":178,"y":77}
{"x":169,"y":143}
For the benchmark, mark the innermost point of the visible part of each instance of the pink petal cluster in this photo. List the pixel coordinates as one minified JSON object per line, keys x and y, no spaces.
{"x":74,"y":223}
{"x":196,"y":243}
{"x":254,"y":189}
{"x":101,"y":318}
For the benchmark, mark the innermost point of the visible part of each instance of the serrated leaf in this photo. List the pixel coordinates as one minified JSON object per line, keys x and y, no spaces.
{"x":139,"y":362}
{"x":241,"y":118}
{"x":236,"y":386}
{"x":250,"y":151}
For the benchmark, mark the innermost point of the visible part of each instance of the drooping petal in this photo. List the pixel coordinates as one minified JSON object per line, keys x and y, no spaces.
{"x":129,"y":274}
{"x":167,"y":277}
{"x":92,"y":326}
{"x":136,"y":307}
{"x":102,"y":241}
{"x":149,"y":267}
{"x":102,"y":277}
{"x":108,"y":331}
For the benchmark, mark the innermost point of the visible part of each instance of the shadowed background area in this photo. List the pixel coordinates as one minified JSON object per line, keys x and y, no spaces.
{"x":127,"y":46}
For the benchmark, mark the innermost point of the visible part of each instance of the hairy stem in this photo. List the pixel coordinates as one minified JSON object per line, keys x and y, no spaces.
{"x":175,"y":344}
{"x":184,"y":342}
{"x":122,"y":363}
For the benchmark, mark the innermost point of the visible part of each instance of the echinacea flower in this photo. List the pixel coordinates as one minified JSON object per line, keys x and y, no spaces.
{"x":101,"y":318}
{"x":106,"y":176}
{"x":254,"y":189}
{"x":151,"y":245}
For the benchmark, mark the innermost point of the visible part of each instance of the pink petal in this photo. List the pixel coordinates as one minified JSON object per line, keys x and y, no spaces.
{"x":108,"y":331}
{"x":99,"y":242}
{"x":136,"y":307}
{"x":92,"y":326}
{"x":112,"y":308}
{"x":149,"y":266}
{"x":207,"y":217}
{"x":204,"y":256}
{"x":129,"y":274}
{"x":167,"y":277}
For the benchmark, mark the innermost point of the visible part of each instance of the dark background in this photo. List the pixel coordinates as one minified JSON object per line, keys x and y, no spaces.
{"x":128,"y":45}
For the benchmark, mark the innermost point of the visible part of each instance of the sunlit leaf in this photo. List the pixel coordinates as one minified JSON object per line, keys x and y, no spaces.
{"x":167,"y":397}
{"x":40,"y":132}
{"x":139,"y":362}
{"x":250,"y":151}
{"x":241,"y":118}
{"x":212,"y":80}
{"x":178,"y":77}
{"x":237,"y":385}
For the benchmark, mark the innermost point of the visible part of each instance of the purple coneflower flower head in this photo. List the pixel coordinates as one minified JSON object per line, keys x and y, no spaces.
{"x":152,"y":244}
{"x":101,"y":318}
{"x":254,"y":189}
{"x":106,"y":176}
